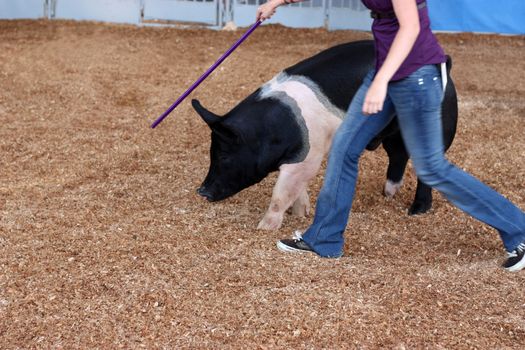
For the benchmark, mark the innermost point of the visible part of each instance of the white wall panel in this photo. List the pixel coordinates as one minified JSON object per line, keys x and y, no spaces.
{"x":201,"y":11}
{"x":348,"y":14}
{"x":119,"y":11}
{"x":14,"y":9}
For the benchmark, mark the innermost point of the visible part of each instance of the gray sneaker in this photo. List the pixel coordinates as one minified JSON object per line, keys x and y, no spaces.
{"x":294,"y":245}
{"x":515,"y":259}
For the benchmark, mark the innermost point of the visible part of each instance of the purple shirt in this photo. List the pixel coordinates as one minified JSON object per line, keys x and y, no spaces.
{"x":426,"y":49}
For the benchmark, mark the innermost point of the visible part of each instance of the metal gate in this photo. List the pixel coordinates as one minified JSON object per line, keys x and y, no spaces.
{"x":196,"y":11}
{"x":348,"y":14}
{"x":331,"y":14}
{"x":307,"y":14}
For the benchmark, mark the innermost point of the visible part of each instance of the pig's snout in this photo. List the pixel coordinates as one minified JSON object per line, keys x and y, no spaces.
{"x":203,"y":191}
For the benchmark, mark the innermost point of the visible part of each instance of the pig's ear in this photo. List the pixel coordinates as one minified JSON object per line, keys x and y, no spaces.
{"x":209,"y":117}
{"x":226,"y":134}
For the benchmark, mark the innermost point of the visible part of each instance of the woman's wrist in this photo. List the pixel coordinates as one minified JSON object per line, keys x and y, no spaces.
{"x":277,"y":3}
{"x":382,"y":78}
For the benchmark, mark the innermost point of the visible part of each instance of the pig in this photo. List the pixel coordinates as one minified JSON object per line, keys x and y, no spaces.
{"x":287,"y":125}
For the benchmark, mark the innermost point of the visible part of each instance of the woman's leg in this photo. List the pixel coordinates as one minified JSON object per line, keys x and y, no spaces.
{"x":325,"y":235}
{"x":417,"y":100}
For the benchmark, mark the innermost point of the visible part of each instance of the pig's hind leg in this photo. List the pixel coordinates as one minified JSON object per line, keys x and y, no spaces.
{"x":423,"y":200}
{"x":397,"y":161}
{"x":398,"y":158}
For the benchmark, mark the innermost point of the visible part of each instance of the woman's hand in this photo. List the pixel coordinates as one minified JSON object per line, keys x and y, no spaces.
{"x":266,"y":10}
{"x":375,"y":97}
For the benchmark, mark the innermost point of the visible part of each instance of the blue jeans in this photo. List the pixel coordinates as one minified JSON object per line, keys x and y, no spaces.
{"x":417,"y":102}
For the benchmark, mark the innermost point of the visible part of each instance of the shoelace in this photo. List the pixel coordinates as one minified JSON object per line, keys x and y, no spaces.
{"x":519,"y":249}
{"x":297,"y":236}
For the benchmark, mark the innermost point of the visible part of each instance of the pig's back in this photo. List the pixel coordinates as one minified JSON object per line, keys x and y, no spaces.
{"x":338,"y":71}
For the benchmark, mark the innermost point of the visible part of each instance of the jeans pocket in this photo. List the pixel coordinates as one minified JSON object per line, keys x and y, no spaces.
{"x":422,"y":89}
{"x":433,"y":93}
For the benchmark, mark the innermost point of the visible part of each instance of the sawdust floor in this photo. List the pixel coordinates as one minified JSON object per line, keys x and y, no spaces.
{"x":105,"y":244}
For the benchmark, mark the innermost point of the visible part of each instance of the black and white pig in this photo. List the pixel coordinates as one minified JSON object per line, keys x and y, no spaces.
{"x":288,"y":125}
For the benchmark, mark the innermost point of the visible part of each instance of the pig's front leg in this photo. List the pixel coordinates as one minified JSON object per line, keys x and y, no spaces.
{"x":290,"y":187}
{"x":286,"y":191}
{"x":301,"y":206}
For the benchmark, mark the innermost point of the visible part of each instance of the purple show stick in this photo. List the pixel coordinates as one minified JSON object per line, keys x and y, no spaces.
{"x":205,"y":75}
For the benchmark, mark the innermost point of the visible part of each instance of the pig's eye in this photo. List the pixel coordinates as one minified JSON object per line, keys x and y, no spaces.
{"x":224,"y":158}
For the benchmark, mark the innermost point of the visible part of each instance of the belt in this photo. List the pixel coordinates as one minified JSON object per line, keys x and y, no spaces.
{"x":383,"y":15}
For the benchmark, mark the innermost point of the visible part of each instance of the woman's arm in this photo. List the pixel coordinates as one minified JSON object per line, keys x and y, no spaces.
{"x":408,"y":18}
{"x":266,"y":10}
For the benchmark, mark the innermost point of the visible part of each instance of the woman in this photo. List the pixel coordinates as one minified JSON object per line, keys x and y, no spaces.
{"x":407,"y":82}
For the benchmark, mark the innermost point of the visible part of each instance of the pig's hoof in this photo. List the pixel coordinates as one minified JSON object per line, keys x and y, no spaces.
{"x":269,"y":224}
{"x":419,"y":208}
{"x":391,"y":188}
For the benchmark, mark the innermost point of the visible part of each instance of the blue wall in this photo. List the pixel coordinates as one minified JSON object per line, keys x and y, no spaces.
{"x":485,"y":16}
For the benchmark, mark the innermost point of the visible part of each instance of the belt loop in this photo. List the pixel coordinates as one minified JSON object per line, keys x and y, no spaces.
{"x":444,"y":79}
